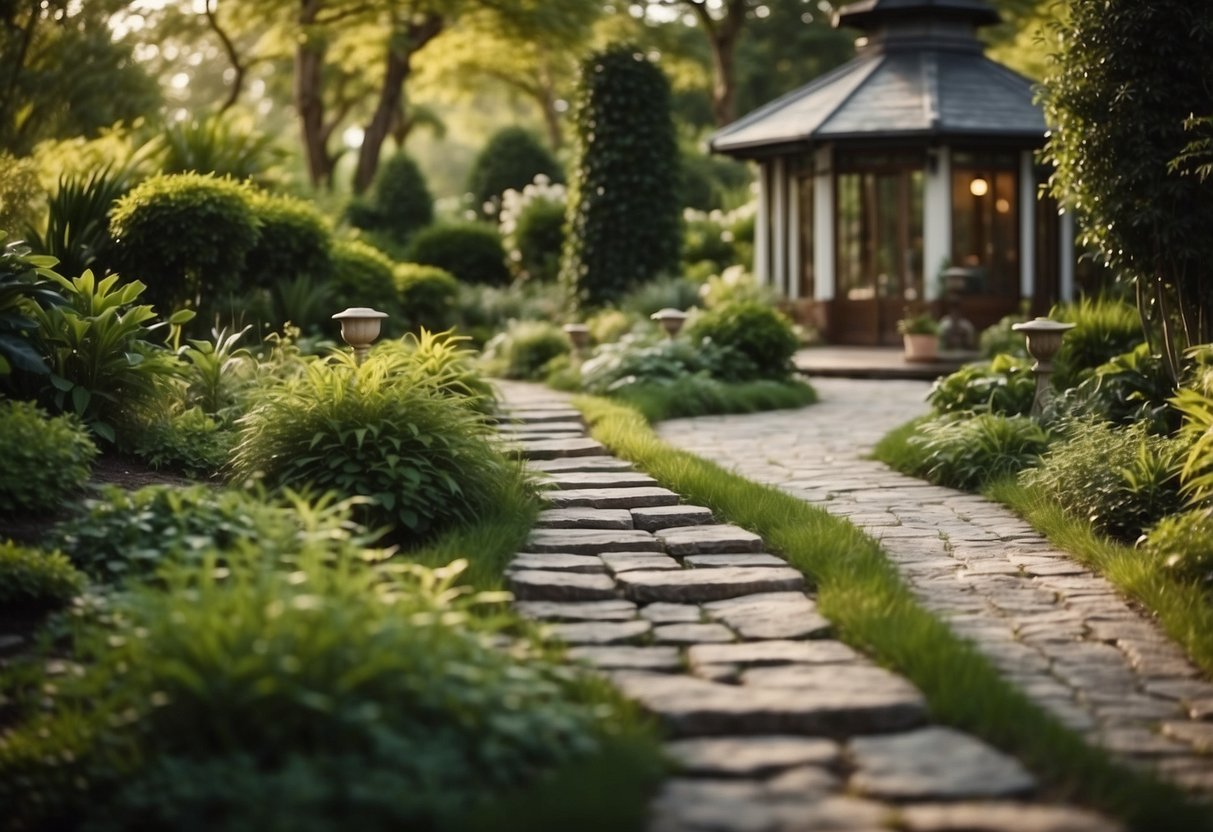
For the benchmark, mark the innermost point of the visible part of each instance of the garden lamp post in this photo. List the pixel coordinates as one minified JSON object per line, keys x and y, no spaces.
{"x":579,"y":335}
{"x":1044,"y":339}
{"x":359,"y":327}
{"x":671,"y":320}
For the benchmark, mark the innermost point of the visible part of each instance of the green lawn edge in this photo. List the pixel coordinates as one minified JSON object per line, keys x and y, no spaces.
{"x":859,"y":590}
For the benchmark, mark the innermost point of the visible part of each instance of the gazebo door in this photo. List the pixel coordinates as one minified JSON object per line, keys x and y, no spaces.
{"x":879,"y":252}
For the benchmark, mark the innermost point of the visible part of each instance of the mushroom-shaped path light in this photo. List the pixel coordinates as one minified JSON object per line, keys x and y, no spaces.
{"x":359,"y":328}
{"x":1044,"y":340}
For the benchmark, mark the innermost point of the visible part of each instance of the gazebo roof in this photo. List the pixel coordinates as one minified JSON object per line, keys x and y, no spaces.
{"x":921,"y":76}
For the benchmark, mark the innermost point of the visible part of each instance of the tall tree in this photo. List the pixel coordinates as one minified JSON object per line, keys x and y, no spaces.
{"x":1123,"y":82}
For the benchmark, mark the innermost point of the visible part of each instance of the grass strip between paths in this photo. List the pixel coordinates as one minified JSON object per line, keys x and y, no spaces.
{"x":859,"y":590}
{"x":695,"y":396}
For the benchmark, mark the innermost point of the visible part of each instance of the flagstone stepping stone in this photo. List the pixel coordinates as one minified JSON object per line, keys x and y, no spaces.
{"x":584,"y":518}
{"x":706,"y":584}
{"x":712,"y":805}
{"x":582,"y":463}
{"x":556,"y":448}
{"x":770,"y":615}
{"x":991,"y":816}
{"x":773,"y":652}
{"x":592,"y":541}
{"x":845,"y":679}
{"x":716,"y":561}
{"x":804,"y":780}
{"x":544,"y":585}
{"x":614,"y":610}
{"x":751,"y":756}
{"x":631,"y":561}
{"x":656,"y":659}
{"x":663,"y":613}
{"x":524,"y":429}
{"x":601,"y":632}
{"x":714,"y":539}
{"x":557,"y":562}
{"x":653,"y":518}
{"x":611,"y":497}
{"x":571,"y":480}
{"x":934,"y":763}
{"x":695,"y":707}
{"x":693,"y":634}
{"x":554,"y":414}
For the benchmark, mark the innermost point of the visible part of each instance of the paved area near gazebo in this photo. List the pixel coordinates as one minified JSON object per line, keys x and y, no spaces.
{"x":776,"y":724}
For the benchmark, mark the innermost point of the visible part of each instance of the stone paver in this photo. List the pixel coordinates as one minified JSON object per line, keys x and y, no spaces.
{"x":1059,"y":632}
{"x":778,"y":727}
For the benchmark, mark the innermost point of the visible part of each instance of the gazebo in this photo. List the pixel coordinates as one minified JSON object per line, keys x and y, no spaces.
{"x":916,"y":157}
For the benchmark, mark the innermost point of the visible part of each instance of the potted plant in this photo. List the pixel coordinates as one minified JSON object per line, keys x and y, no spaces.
{"x":921,"y":336}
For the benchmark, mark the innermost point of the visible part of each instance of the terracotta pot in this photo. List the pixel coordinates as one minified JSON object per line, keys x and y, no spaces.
{"x":921,"y":347}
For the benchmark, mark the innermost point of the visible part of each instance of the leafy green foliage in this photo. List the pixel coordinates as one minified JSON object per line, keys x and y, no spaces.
{"x":624,"y":207}
{"x":1184,"y":544}
{"x":400,"y":203}
{"x":45,"y":459}
{"x":214,"y":371}
{"x":340,"y":692}
{"x":190,"y":442}
{"x":1103,"y":329}
{"x":759,"y":334}
{"x":524,"y":349}
{"x":539,"y":237}
{"x":708,"y":183}
{"x":185,"y":235}
{"x":472,"y":251}
{"x":1122,"y":480}
{"x":484,"y":311}
{"x":443,"y":360}
{"x":77,"y":226}
{"x":1196,"y":404}
{"x":25,"y":284}
{"x":218,"y":145}
{"x":1133,"y":387}
{"x":697,"y":395}
{"x":426,"y":296}
{"x":293,"y":241}
{"x":103,"y":365}
{"x":1126,"y":77}
{"x":362,"y":276}
{"x":660,"y":293}
{"x":1000,"y":339}
{"x":966,"y":453}
{"x":512,"y":158}
{"x":124,"y":534}
{"x":1005,"y":386}
{"x":387,"y":431}
{"x":19,"y":193}
{"x":33,"y":580}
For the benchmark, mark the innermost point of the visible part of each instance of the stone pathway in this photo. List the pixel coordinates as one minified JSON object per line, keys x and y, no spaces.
{"x":775,"y":724}
{"x":1062,"y":634}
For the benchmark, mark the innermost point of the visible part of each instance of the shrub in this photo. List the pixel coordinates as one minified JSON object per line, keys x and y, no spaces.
{"x":19,"y":193}
{"x":25,"y":284}
{"x":1120,"y":479}
{"x":400,"y":203}
{"x":217,"y":145}
{"x":662,"y":292}
{"x":385,"y":431}
{"x":610,"y":325}
{"x":305,"y":301}
{"x":1001,"y":339}
{"x":756,"y":332}
{"x":624,"y":209}
{"x":362,"y":276}
{"x":189,"y":442}
{"x":1104,"y":328}
{"x":124,"y":534}
{"x":538,"y":237}
{"x":645,"y":359}
{"x":471,"y":251}
{"x":443,"y":361}
{"x":511,"y":159}
{"x":103,"y":365}
{"x":1005,"y":386}
{"x":484,"y":311}
{"x":31,"y":580}
{"x":1184,"y":543}
{"x":319,"y":696}
{"x":46,"y":459}
{"x":294,"y":241}
{"x":697,"y":395}
{"x":706,"y":241}
{"x":524,"y":349}
{"x":184,"y":235}
{"x":215,"y":371}
{"x":77,"y":224}
{"x":426,"y":296}
{"x":705,"y":182}
{"x":967,"y":453}
{"x":1195,"y":402}
{"x":734,"y":285}
{"x":1133,"y":387}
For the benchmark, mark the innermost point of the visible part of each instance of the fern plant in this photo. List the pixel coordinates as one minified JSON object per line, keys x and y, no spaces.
{"x":1196,"y":405}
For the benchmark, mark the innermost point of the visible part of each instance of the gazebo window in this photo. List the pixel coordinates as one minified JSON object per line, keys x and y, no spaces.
{"x":879,"y":226}
{"x":985,"y":220}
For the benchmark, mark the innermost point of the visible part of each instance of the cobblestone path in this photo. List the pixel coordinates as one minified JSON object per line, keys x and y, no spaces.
{"x":1062,"y":634}
{"x":776,"y":725}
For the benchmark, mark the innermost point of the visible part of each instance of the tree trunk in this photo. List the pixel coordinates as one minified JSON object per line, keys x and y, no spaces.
{"x":309,"y":99}
{"x":724,"y":48}
{"x":547,"y":104}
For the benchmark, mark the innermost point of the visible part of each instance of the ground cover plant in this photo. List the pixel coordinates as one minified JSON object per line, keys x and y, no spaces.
{"x":45,"y":459}
{"x":860,"y":591}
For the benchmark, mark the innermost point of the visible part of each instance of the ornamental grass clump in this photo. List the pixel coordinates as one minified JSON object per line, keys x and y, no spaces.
{"x":390,"y":431}
{"x":46,"y":460}
{"x":967,"y":453}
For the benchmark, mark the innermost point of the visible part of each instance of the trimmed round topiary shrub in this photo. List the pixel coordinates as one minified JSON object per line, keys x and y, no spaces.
{"x":362,"y":276}
{"x":184,"y":235}
{"x":539,"y":236}
{"x":33,"y":581}
{"x":426,"y":296}
{"x":512,"y":158}
{"x":757,"y":332}
{"x":46,"y":460}
{"x":400,"y":202}
{"x":471,"y":251}
{"x":294,"y":241}
{"x":385,"y":431}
